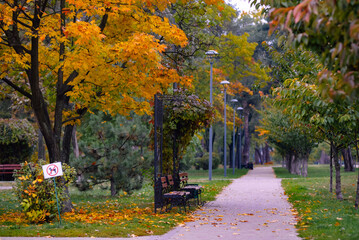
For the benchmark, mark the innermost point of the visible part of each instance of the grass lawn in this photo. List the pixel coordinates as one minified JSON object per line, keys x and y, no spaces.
{"x":99,"y":215}
{"x":320,"y":214}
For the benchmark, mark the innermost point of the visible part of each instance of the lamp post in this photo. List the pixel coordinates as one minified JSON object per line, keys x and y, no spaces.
{"x":234,"y":101}
{"x":211,"y":55}
{"x":240,"y":109}
{"x":225,"y":83}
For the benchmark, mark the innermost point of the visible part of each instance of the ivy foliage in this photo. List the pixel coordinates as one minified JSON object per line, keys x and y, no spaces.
{"x":17,"y":140}
{"x":37,"y":195}
{"x":184,"y":115}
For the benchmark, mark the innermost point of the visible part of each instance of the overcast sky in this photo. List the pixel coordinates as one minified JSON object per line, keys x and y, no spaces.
{"x":243,"y":5}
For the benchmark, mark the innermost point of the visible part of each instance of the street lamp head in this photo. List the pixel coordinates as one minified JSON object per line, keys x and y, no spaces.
{"x":211,"y":55}
{"x":234,"y":100}
{"x":239,"y":108}
{"x":224,"y":83}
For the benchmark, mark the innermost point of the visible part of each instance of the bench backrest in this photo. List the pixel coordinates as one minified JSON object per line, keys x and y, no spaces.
{"x":183,"y":177}
{"x":164,"y":182}
{"x":170,"y":180}
{"x":10,"y":166}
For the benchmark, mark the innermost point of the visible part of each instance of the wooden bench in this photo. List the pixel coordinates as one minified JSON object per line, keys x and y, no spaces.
{"x":171,"y":197}
{"x":194,"y":189}
{"x":6,"y":169}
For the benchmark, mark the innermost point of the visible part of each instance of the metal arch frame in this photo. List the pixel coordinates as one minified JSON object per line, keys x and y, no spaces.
{"x":160,"y":102}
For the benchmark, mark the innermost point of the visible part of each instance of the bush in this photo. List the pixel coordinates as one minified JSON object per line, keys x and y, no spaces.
{"x":17,"y":138}
{"x":202,"y":162}
{"x":37,"y":195}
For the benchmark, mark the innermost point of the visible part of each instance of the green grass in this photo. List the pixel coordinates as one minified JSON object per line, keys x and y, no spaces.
{"x":314,"y":171}
{"x":320,"y":214}
{"x":137,"y":211}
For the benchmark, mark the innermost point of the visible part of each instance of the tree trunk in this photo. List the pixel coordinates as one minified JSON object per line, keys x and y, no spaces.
{"x":295,"y":165}
{"x":113,"y":187}
{"x":75,"y":145}
{"x":305,"y":165}
{"x":324,"y":158}
{"x":357,"y":192}
{"x":348,"y":160}
{"x":247,"y":140}
{"x":266,"y":153}
{"x":66,"y":144}
{"x":338,"y":186}
{"x":41,"y":146}
{"x":258,"y":156}
{"x":283,"y":162}
{"x":289,"y":162}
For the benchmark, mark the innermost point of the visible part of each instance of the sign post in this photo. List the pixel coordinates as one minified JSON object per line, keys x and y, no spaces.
{"x":51,"y":171}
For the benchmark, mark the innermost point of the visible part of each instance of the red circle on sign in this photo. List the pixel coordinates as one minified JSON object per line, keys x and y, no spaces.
{"x":52,"y":170}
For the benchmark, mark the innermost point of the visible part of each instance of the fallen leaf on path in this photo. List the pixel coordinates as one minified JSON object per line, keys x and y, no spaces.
{"x":274,"y":221}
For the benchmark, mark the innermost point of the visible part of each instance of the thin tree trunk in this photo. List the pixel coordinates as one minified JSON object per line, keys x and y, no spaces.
{"x":338,"y":186}
{"x":331,"y":168}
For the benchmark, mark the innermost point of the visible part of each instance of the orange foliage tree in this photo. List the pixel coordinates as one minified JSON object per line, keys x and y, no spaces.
{"x":70,"y":56}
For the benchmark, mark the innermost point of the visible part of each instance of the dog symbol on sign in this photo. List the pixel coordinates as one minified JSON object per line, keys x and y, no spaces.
{"x":52,"y":170}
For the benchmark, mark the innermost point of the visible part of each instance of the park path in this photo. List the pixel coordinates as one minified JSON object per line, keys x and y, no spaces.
{"x":252,"y":207}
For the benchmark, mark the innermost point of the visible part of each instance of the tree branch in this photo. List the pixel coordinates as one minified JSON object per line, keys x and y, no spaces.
{"x":20,"y":90}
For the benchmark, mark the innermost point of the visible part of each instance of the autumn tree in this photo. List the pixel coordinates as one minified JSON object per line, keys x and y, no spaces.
{"x":71,"y":56}
{"x":329,"y":28}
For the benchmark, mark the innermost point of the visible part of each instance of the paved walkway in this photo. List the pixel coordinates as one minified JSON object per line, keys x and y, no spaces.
{"x":252,"y":207}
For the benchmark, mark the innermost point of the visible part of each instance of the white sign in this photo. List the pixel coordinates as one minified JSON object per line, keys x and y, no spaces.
{"x":52,"y":170}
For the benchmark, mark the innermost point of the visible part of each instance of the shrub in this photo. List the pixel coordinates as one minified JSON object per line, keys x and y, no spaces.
{"x":17,"y":138}
{"x":202,"y":162}
{"x":37,"y":195}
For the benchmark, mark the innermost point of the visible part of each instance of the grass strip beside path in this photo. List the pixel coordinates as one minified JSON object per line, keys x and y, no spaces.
{"x":99,"y":215}
{"x":320,"y":214}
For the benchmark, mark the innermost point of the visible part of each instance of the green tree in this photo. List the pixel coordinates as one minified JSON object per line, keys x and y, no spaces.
{"x":114,"y":149}
{"x":333,"y":120}
{"x":292,"y":139}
